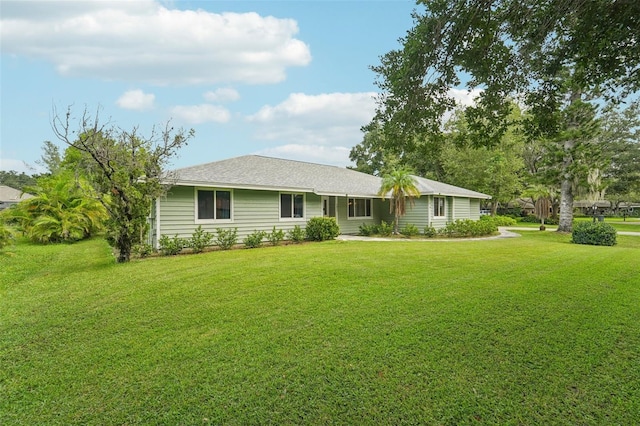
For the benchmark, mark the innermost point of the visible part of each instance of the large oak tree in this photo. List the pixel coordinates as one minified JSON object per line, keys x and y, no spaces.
{"x":554,"y":56}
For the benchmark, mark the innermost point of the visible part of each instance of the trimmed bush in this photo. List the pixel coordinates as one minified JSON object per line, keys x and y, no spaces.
{"x":367,"y":230}
{"x":385,"y":229}
{"x":499,"y":220}
{"x":322,"y":228}
{"x":226,"y":238}
{"x":200,"y":239}
{"x":254,"y":240}
{"x":297,"y":234}
{"x":469,"y":228}
{"x":410,"y":230}
{"x":594,"y":233}
{"x":275,"y":237}
{"x":171,"y":246}
{"x":430,"y":231}
{"x":532,"y":219}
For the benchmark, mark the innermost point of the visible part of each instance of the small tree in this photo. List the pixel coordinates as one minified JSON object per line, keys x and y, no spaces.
{"x":542,"y":208}
{"x":399,"y":185}
{"x":126,"y":170}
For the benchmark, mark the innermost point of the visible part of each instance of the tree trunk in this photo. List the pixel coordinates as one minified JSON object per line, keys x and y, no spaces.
{"x":124,"y":248}
{"x":565,"y":223}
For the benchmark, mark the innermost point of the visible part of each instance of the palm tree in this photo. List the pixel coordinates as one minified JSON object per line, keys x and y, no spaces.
{"x":59,"y":211}
{"x":399,"y":185}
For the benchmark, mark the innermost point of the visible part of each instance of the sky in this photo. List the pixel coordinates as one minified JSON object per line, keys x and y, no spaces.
{"x":286,"y":79}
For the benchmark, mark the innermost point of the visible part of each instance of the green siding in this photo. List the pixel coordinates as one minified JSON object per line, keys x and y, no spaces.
{"x":461,"y":208}
{"x":251,"y":211}
{"x":474,"y":209}
{"x":352,"y":225}
{"x":254,"y":210}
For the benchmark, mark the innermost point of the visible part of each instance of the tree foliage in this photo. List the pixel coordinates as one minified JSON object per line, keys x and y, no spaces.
{"x":126,"y":170}
{"x":62,"y":210}
{"x":553,"y":56}
{"x":16,"y":180}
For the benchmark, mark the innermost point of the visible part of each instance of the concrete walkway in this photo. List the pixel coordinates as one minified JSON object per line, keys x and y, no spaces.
{"x":505,"y":232}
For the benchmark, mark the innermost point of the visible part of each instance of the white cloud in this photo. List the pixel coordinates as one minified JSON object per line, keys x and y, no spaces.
{"x":204,"y":113}
{"x":331,"y":119}
{"x":141,"y":40}
{"x":222,"y":95}
{"x":464,"y":97}
{"x":136,"y":100}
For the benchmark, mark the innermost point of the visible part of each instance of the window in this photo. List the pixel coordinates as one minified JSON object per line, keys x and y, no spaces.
{"x":438,"y":206}
{"x":359,"y":207}
{"x":291,"y":206}
{"x":214,"y":205}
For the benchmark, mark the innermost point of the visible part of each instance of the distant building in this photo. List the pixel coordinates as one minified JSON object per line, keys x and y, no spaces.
{"x":10,"y":196}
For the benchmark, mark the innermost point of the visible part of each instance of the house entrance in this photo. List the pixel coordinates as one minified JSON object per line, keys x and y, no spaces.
{"x":328,"y":206}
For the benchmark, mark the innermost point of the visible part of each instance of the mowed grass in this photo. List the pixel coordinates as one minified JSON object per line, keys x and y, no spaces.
{"x":529,"y":330}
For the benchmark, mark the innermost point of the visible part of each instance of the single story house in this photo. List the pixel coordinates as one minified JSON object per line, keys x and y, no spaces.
{"x":10,"y":196}
{"x":253,"y":193}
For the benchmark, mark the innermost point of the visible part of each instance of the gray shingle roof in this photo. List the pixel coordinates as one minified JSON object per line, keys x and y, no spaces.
{"x":8,"y":194}
{"x":258,"y":172}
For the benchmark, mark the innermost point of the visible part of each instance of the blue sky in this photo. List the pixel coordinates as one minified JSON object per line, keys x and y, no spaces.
{"x":288,"y":79}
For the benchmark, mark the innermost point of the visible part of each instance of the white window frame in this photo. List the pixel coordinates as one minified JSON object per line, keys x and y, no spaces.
{"x":215,"y":194}
{"x":436,"y":202}
{"x":292,"y":218}
{"x":349,"y":199}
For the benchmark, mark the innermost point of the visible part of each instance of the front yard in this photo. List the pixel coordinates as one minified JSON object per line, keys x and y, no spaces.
{"x":530,"y":330}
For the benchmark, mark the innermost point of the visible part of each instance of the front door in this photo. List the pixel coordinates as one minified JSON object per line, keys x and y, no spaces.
{"x":328,"y":210}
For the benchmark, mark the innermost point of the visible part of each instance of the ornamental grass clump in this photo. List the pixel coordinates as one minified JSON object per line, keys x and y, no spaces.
{"x":594,"y":233}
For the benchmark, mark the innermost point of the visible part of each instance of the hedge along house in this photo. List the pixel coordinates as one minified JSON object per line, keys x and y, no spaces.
{"x":254,"y":193}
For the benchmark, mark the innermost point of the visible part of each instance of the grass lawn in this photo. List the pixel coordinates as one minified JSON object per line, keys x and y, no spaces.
{"x":530,"y":330}
{"x":630,"y":225}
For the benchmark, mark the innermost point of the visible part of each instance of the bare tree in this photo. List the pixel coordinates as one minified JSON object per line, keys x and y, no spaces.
{"x":126,"y":169}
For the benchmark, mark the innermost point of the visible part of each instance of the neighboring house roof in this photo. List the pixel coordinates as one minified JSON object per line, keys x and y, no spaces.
{"x":12,"y":195}
{"x":258,"y":172}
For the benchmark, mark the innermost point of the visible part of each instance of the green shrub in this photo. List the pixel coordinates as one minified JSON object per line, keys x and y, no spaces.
{"x":499,"y":220}
{"x":254,"y":240}
{"x":410,"y":230}
{"x":142,"y":250}
{"x":430,"y":231}
{"x":6,"y":236}
{"x":532,"y":219}
{"x":297,"y":234}
{"x":171,"y":246}
{"x":322,"y":228}
{"x":226,"y":238}
{"x":385,"y":229}
{"x":469,"y":228}
{"x":367,"y":230}
{"x":200,"y":239}
{"x":594,"y":233}
{"x":275,"y":237}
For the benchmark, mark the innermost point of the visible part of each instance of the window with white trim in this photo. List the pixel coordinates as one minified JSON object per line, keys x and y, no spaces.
{"x":359,"y":207}
{"x":438,"y":206}
{"x":213,"y":204}
{"x":291,"y":206}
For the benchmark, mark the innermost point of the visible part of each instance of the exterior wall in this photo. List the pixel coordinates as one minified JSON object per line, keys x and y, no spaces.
{"x":252,"y":210}
{"x":474,"y":209}
{"x":352,"y":225}
{"x":419,"y":214}
{"x":461,"y":208}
